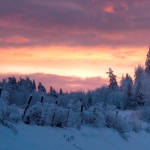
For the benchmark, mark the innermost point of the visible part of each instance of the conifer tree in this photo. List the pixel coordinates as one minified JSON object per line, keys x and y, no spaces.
{"x":147,"y":63}
{"x":125,"y":81}
{"x":41,"y":88}
{"x":126,"y":87}
{"x":89,"y":101}
{"x":60,"y":91}
{"x":52,"y":92}
{"x":34,"y":85}
{"x":12,"y":83}
{"x":21,"y":85}
{"x":112,"y":81}
{"x":139,"y":93}
{"x":28,"y":85}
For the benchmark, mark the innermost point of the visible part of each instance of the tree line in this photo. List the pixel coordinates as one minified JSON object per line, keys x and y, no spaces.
{"x":96,"y":107}
{"x":128,"y":94}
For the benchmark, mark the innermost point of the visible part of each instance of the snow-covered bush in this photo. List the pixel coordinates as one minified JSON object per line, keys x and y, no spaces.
{"x":33,"y":114}
{"x":5,"y":96}
{"x":48,"y":114}
{"x":75,"y":107}
{"x":74,"y":119}
{"x":3,"y":110}
{"x":93,"y":116}
{"x":105,"y":107}
{"x":123,"y":125}
{"x":145,"y":113}
{"x":8,"y":113}
{"x":135,"y":120}
{"x":60,"y":116}
{"x":74,"y":114}
{"x":117,"y":122}
{"x":13,"y":113}
{"x":97,"y":113}
{"x":141,"y":115}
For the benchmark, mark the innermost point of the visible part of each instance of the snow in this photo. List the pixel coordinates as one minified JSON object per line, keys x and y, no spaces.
{"x":33,"y":137}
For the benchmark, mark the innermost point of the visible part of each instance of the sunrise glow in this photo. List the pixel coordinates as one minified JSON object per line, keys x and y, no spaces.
{"x":73,"y":39}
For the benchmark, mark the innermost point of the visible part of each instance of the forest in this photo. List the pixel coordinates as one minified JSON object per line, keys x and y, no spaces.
{"x":23,"y":101}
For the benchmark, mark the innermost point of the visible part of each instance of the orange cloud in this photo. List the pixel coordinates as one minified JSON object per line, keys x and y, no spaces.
{"x":116,"y":8}
{"x":17,"y":39}
{"x":72,"y":61}
{"x":22,"y":53}
{"x":109,"y":9}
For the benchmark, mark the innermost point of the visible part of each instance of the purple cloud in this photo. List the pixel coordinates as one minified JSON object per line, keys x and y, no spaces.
{"x":75,"y":23}
{"x":67,"y":83}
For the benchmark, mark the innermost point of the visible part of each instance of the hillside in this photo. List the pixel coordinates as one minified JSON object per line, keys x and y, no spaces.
{"x":33,"y":137}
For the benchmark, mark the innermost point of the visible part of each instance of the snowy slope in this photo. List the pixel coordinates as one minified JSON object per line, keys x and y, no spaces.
{"x":52,"y":138}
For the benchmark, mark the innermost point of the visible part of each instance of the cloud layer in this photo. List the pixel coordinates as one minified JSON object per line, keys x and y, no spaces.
{"x":65,"y":82}
{"x":74,"y":22}
{"x":73,"y":38}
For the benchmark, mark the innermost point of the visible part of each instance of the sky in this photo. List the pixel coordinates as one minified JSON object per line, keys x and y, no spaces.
{"x":72,"y":43}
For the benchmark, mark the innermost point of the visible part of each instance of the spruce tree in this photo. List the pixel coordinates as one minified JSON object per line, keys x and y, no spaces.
{"x":126,"y":87}
{"x":21,"y":85}
{"x":125,"y":83}
{"x":52,"y":92}
{"x":41,"y":88}
{"x":33,"y":85}
{"x":28,"y":85}
{"x":112,"y":81}
{"x":60,"y":91}
{"x":147,"y":63}
{"x":139,"y":93}
{"x":12,"y":83}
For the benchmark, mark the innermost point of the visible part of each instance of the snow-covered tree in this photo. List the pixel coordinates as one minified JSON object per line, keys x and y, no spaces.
{"x":89,"y":102}
{"x":147,"y":63}
{"x":113,"y":96}
{"x":139,"y":91}
{"x":112,"y":80}
{"x":4,"y":84}
{"x":126,"y":87}
{"x":145,"y":82}
{"x":100,"y":95}
{"x":33,"y":86}
{"x":61,"y":91}
{"x":138,"y":73}
{"x":41,"y":88}
{"x":53,"y":93}
{"x":26,"y":85}
{"x":8,"y":113}
{"x":12,"y":83}
{"x":21,"y":85}
{"x":125,"y":81}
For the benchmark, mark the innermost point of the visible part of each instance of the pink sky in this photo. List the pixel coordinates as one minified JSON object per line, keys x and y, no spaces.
{"x":67,"y":83}
{"x":63,"y":41}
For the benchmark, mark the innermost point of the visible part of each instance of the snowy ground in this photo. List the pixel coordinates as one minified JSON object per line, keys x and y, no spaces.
{"x":52,"y":138}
